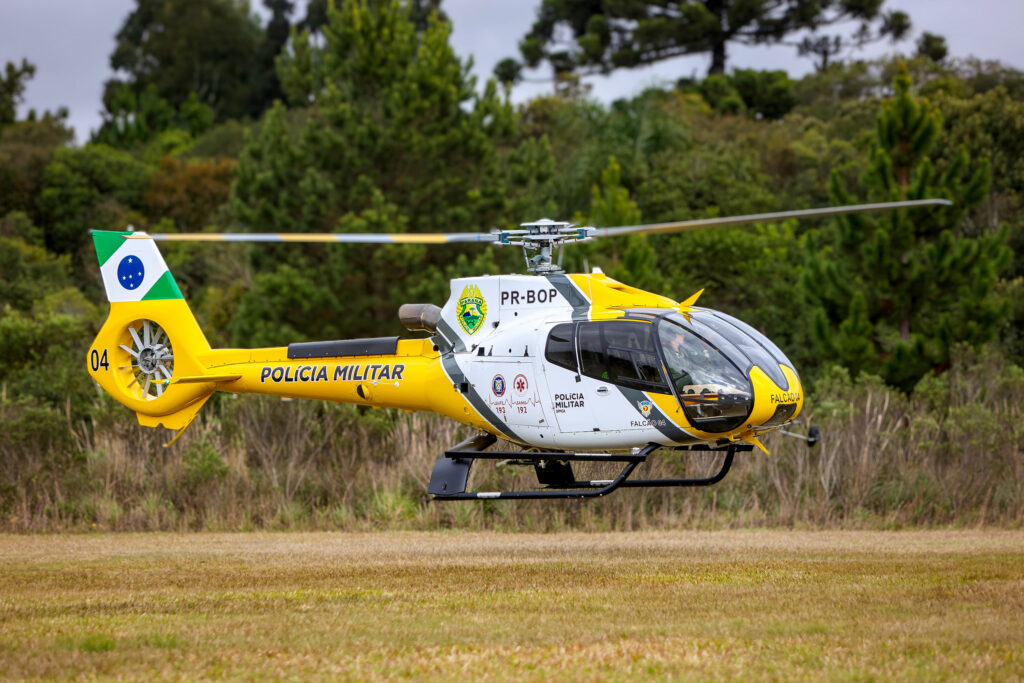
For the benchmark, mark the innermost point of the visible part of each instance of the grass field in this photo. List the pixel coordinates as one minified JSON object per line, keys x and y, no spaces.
{"x":707,"y":605}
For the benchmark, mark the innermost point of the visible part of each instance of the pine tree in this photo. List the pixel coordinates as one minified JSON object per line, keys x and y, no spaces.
{"x":892,"y":293}
{"x":390,"y":110}
{"x":180,"y":47}
{"x":589,"y":36}
{"x":12,"y":89}
{"x":611,"y":205}
{"x":385,"y":133}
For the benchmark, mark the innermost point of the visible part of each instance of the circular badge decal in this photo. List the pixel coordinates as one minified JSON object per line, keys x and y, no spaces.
{"x":131,"y":272}
{"x":498,"y":385}
{"x":520,"y":384}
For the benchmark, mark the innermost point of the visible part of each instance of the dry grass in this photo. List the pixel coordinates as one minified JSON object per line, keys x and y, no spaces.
{"x":950,"y":455}
{"x":704,"y":605}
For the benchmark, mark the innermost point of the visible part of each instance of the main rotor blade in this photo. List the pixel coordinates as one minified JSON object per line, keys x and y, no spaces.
{"x":442,"y":238}
{"x":357,"y":238}
{"x":680,"y":226}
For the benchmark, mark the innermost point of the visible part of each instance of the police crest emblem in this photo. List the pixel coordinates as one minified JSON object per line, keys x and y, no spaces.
{"x":645,"y":407}
{"x":471,"y":309}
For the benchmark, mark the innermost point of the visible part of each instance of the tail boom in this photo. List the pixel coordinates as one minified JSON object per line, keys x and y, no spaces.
{"x":152,"y":356}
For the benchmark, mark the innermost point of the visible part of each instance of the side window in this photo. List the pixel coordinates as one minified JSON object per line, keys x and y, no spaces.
{"x":560,"y":349}
{"x":622,"y":353}
{"x":592,"y":360}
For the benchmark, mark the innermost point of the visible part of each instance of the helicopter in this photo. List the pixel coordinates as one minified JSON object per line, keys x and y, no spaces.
{"x":569,"y":367}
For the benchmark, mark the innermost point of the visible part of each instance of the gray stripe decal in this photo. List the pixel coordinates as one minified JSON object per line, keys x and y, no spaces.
{"x":580,"y":304}
{"x":448,"y":333}
{"x":458,"y":377}
{"x":669,"y":429}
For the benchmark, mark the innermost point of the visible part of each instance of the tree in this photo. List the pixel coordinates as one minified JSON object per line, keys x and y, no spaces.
{"x":267,"y":86}
{"x":45,"y":326}
{"x":393,"y":111}
{"x":601,"y":35}
{"x":180,"y":47}
{"x":26,"y":149}
{"x":825,"y":48}
{"x":610,"y":205}
{"x":284,"y":306}
{"x":95,"y":185}
{"x":29,"y":272}
{"x":507,"y":71}
{"x":419,"y":12}
{"x":992,"y":125}
{"x":895,"y":293}
{"x":189,"y":193}
{"x":932,"y":46}
{"x":764,"y":94}
{"x":12,"y":89}
{"x":130,"y":120}
{"x":386,"y":134}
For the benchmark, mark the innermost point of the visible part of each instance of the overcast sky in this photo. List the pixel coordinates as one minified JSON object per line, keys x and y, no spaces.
{"x":70,"y":42}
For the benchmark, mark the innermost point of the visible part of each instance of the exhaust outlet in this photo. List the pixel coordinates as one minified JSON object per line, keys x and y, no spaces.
{"x":419,"y":316}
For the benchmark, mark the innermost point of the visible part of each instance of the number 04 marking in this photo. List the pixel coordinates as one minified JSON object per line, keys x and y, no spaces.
{"x":96,"y":361}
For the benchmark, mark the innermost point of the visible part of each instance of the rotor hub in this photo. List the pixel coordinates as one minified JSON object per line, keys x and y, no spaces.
{"x":544,"y":236}
{"x":148,"y":360}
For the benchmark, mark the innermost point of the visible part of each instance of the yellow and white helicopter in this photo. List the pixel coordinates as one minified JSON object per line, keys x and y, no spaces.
{"x":572,"y":367}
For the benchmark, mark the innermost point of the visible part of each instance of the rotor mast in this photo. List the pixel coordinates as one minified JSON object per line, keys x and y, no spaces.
{"x":544,"y":236}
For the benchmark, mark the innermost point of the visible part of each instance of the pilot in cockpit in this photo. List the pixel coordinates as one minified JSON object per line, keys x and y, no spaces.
{"x":693,"y":365}
{"x":677,"y":359}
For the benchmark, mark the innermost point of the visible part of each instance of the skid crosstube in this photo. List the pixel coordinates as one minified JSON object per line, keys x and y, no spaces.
{"x":554,"y":470}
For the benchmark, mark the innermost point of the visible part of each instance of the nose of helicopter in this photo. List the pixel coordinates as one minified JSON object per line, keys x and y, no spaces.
{"x":730,"y":378}
{"x":774,"y":405}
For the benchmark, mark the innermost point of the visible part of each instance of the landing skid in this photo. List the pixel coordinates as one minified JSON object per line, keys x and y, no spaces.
{"x":554,"y":471}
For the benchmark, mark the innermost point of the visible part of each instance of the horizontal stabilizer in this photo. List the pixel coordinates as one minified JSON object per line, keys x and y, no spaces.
{"x":199,"y":379}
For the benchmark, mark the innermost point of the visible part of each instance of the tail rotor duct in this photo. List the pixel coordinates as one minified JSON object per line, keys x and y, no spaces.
{"x":151,"y":359}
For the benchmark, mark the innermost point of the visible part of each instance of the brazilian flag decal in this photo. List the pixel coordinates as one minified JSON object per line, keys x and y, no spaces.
{"x":471,"y":309}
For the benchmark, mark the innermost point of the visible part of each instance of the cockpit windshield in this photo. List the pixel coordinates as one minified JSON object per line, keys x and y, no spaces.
{"x":715,"y":393}
{"x":751,"y":343}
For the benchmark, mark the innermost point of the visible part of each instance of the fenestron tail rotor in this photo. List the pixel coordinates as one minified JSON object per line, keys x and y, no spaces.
{"x":545,"y":235}
{"x":150,"y":360}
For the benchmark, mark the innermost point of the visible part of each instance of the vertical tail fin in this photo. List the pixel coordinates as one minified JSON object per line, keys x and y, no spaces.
{"x":133,"y":269}
{"x":150,"y":336}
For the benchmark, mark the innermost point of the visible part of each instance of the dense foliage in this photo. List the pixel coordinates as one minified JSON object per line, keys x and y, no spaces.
{"x":379,"y":126}
{"x":895,"y":293}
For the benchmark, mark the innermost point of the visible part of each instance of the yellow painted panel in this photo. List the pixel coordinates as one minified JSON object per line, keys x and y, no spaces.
{"x":670,"y":406}
{"x":418,"y":239}
{"x":606,"y":294}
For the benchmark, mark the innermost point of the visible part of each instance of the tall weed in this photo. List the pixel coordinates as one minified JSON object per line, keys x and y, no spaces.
{"x":952,"y":453}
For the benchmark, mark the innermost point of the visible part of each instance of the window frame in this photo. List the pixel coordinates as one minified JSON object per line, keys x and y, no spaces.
{"x":631,"y":354}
